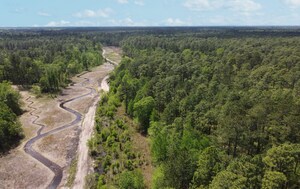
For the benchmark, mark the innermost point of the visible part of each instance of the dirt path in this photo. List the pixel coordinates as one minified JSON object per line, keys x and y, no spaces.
{"x":83,"y":164}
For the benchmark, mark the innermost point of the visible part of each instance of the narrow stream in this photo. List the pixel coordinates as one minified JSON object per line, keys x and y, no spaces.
{"x":28,"y":148}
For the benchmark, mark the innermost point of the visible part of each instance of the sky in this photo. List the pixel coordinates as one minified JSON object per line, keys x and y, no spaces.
{"x":59,"y":13}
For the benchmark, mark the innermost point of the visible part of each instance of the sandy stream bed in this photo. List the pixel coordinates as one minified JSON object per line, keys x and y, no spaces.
{"x":19,"y":170}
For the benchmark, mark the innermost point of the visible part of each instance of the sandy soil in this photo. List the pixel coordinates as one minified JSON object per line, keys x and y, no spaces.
{"x":83,"y":155}
{"x":112,"y":54}
{"x":84,"y":161}
{"x":19,"y":170}
{"x":52,"y":115}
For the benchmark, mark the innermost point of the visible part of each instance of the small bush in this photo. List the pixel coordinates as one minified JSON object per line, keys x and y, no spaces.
{"x":36,"y":90}
{"x":131,"y":180}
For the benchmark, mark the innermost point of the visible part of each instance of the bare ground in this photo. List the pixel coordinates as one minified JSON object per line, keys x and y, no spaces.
{"x":17,"y":169}
{"x":20,"y":171}
{"x":112,"y":54}
{"x":84,"y":162}
{"x":83,"y":155}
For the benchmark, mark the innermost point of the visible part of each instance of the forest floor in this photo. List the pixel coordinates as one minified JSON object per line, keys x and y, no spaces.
{"x":141,"y":144}
{"x":18,"y":169}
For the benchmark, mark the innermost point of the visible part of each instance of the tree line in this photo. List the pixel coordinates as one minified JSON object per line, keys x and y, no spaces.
{"x":46,"y":60}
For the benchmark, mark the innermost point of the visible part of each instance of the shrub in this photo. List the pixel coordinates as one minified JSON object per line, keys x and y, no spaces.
{"x":36,"y":90}
{"x":131,"y":180}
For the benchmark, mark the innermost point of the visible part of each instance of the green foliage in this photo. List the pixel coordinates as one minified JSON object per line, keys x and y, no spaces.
{"x":10,"y":128}
{"x":273,"y":180}
{"x":175,"y":153}
{"x":142,"y":110}
{"x":111,"y":147}
{"x":10,"y":97}
{"x":72,"y":172}
{"x":158,"y":178}
{"x":35,"y":89}
{"x":228,"y":180}
{"x":52,"y":80}
{"x":159,"y":142}
{"x":221,"y":106}
{"x":90,"y":181}
{"x":284,"y":160}
{"x":211,"y":162}
{"x":131,"y":180}
{"x":231,"y":104}
{"x":47,"y":60}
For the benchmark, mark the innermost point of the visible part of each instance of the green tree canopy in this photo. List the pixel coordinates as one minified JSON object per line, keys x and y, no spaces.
{"x":142,"y":110}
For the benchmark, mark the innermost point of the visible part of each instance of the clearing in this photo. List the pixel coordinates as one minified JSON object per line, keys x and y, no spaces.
{"x":60,"y":147}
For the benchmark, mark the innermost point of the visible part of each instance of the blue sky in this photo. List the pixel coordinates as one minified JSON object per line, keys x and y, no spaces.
{"x":27,"y":13}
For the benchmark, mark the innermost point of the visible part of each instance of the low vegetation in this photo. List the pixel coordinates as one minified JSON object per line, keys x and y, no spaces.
{"x":117,"y":165}
{"x":72,"y":172}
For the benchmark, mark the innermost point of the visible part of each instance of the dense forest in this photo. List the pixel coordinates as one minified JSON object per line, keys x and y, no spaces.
{"x":220,"y":106}
{"x":220,"y":112}
{"x":46,"y":60}
{"x":43,"y":61}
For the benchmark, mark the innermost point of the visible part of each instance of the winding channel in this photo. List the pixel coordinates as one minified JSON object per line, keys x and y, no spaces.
{"x":28,"y":148}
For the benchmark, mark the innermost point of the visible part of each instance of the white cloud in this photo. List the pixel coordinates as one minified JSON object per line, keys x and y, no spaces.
{"x":78,"y":23}
{"x":128,"y":22}
{"x":292,"y":3}
{"x":174,"y":22}
{"x":93,"y":14}
{"x":122,"y":1}
{"x":125,"y":22}
{"x":43,"y":14}
{"x":84,"y":23}
{"x":139,"y":2}
{"x":242,"y":6}
{"x":201,"y":5}
{"x":58,"y":24}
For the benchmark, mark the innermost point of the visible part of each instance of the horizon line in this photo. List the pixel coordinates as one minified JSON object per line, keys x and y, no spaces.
{"x":202,"y":26}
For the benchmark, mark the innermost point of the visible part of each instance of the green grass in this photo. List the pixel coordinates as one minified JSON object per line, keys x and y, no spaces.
{"x":72,"y":172}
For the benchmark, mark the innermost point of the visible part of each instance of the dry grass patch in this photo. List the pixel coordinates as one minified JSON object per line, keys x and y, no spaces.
{"x":72,"y":173}
{"x":141,"y":144}
{"x":59,"y":147}
{"x":113,"y":53}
